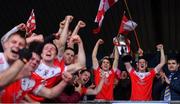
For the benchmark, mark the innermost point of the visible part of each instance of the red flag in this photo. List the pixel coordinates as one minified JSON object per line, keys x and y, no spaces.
{"x":31,"y":23}
{"x":103,"y":7}
{"x":126,"y":25}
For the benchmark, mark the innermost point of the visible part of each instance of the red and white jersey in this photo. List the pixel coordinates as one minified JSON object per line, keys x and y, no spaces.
{"x":142,"y":85}
{"x":15,"y":92}
{"x":3,"y":63}
{"x":46,"y":75}
{"x":106,"y":92}
{"x":60,"y":63}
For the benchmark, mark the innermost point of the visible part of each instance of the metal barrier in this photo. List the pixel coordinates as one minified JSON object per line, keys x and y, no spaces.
{"x":130,"y":102}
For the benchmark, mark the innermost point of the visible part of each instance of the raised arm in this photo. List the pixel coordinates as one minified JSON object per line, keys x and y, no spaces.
{"x":13,"y":30}
{"x":127,"y":62}
{"x":116,"y":59}
{"x":79,"y":25}
{"x":56,"y":90}
{"x":35,"y":38}
{"x":63,"y":32}
{"x":94,"y":54}
{"x":162,"y":58}
{"x":81,"y":58}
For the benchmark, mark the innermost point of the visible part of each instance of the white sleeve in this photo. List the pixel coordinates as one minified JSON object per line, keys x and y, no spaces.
{"x":9,"y":33}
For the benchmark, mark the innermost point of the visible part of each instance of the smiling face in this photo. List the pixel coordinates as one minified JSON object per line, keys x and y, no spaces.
{"x":84,"y":77}
{"x":106,"y":65}
{"x":48,"y":52}
{"x":12,"y":47}
{"x":172,"y":65}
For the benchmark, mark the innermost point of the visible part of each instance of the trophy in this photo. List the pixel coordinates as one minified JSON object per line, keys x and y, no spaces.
{"x":123,"y":44}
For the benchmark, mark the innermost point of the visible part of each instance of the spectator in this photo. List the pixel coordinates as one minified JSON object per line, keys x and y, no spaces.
{"x":171,"y":90}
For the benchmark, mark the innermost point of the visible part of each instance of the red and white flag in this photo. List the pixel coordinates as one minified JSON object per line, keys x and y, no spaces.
{"x":126,"y":25}
{"x":31,"y":23}
{"x":103,"y":7}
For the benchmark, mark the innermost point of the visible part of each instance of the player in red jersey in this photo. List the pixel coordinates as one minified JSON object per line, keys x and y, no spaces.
{"x":15,"y":92}
{"x":50,"y":69}
{"x":141,"y":80}
{"x":104,"y":69}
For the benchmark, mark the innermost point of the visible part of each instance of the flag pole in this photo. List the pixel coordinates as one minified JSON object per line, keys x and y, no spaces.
{"x":135,"y":33}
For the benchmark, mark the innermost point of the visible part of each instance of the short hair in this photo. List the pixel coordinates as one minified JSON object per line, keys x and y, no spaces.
{"x":142,"y":57}
{"x":69,"y":48}
{"x":173,"y":57}
{"x":82,"y":71}
{"x":52,"y":44}
{"x":36,"y":47}
{"x":21,"y":33}
{"x":106,"y":58}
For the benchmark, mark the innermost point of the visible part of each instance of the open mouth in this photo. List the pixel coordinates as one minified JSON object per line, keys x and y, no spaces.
{"x":48,"y":54}
{"x":142,"y":66}
{"x":33,"y":65}
{"x":15,"y":52}
{"x":85,"y":80}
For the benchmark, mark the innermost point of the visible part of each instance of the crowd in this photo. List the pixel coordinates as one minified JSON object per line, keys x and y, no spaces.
{"x":36,"y":68}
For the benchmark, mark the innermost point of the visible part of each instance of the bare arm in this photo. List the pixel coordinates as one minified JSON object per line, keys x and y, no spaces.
{"x":162,"y":58}
{"x":35,"y":38}
{"x":94,"y":54}
{"x":116,"y":59}
{"x":81,"y":59}
{"x":79,"y":25}
{"x":8,"y":75}
{"x":128,"y":66}
{"x":63,"y":31}
{"x":56,"y":90}
{"x":127,"y":62}
{"x":97,"y":89}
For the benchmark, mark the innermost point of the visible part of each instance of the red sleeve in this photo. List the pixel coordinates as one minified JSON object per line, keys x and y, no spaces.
{"x":132,"y":71}
{"x":153,"y":72}
{"x":84,"y":90}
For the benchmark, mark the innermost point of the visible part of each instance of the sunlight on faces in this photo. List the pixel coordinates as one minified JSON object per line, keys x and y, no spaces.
{"x":12,"y":47}
{"x":68,"y":56}
{"x":105,"y":65}
{"x":142,"y":65}
{"x":172,"y":65}
{"x":49,"y":52}
{"x":84,"y":77}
